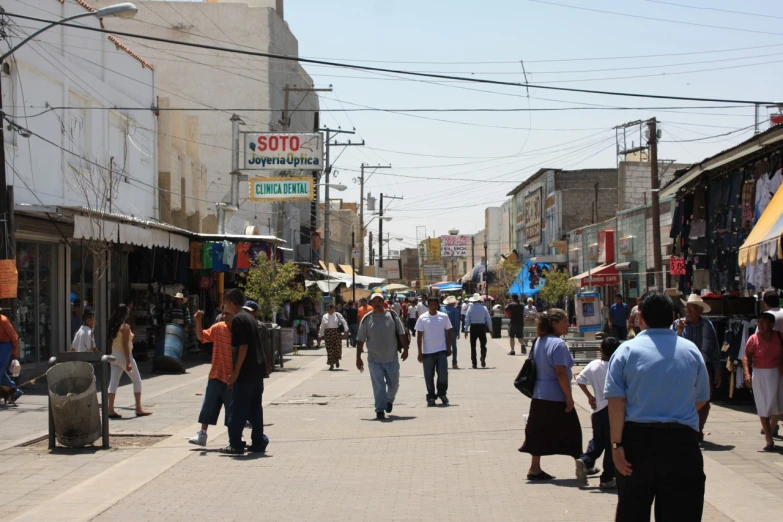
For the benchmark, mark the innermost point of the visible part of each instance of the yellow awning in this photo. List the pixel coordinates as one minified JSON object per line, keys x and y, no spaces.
{"x":332,"y":268}
{"x":346,"y":268}
{"x":323,"y":265}
{"x":763,"y":241}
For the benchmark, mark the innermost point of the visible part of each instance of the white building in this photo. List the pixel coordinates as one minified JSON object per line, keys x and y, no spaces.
{"x":207,"y":79}
{"x":84,"y":174}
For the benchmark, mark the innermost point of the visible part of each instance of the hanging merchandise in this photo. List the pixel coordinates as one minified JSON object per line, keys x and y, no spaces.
{"x":229,"y":253}
{"x":196,"y":256}
{"x":207,"y":255}
{"x":243,"y":257}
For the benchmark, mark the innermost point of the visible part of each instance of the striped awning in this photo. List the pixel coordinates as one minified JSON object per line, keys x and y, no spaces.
{"x":763,"y":243}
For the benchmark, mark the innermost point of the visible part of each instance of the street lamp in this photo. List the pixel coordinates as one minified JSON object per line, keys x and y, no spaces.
{"x":124,"y":10}
{"x":335,"y":186}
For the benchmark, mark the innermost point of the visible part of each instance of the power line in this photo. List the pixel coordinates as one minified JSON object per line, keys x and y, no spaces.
{"x":703,"y":8}
{"x":403,"y":72}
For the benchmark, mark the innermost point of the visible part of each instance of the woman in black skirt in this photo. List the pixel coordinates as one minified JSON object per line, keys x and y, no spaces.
{"x":552,"y":426}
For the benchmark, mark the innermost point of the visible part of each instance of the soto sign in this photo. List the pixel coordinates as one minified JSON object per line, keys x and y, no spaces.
{"x":281,"y":189}
{"x":280,"y":151}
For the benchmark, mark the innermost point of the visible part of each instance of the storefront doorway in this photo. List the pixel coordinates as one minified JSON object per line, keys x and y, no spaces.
{"x":38,"y":306}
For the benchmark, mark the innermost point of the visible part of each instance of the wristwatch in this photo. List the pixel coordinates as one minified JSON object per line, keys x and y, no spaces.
{"x":616,"y":445}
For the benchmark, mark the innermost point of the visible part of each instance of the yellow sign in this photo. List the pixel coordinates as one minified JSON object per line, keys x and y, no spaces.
{"x":282,"y":189}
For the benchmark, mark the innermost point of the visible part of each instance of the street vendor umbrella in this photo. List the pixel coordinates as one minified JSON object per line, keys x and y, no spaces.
{"x":395,"y":287}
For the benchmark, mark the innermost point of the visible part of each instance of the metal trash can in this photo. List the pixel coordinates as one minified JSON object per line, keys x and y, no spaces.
{"x":170,"y":350}
{"x":74,"y":403}
{"x":275,"y":357}
{"x":497,"y":327}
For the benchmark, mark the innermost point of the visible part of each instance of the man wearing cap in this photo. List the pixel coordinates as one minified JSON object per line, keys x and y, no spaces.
{"x":434,"y":343}
{"x":478,"y":323}
{"x":701,"y":332}
{"x":381,"y":331}
{"x":453,"y":312}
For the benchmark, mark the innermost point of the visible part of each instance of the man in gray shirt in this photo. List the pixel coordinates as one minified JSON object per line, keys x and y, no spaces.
{"x":380,"y":331}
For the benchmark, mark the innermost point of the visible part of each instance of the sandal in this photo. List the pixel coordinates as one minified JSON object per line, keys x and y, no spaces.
{"x":540,"y":476}
{"x":115,"y":416}
{"x":771,"y":447}
{"x":143,"y":413}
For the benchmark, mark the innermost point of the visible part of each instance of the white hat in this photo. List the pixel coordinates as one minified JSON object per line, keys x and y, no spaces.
{"x":697,"y":300}
{"x":179,"y":296}
{"x":476,"y":298}
{"x":450,"y":300}
{"x":376,"y":294}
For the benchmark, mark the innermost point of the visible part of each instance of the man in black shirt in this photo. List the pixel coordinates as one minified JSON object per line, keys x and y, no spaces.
{"x":351,"y":313}
{"x":246,"y":380}
{"x":516,"y":328}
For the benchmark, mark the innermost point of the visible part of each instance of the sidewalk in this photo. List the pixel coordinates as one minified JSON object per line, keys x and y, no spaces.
{"x":329,"y":459}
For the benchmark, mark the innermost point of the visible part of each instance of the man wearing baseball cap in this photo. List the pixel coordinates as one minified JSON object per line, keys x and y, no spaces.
{"x":381,"y":330}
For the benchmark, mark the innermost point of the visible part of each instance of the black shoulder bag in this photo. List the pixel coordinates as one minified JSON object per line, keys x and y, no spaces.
{"x":526,"y":378}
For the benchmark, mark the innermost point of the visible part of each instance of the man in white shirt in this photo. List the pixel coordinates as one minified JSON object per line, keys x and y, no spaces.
{"x":396,"y":306}
{"x":83,"y":341}
{"x":594,"y":375}
{"x":434,"y":342}
{"x":412,"y":315}
{"x":463,"y":309}
{"x":478,"y":323}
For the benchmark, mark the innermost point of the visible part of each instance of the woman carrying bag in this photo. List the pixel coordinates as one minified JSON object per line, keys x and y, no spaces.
{"x":553,"y":426}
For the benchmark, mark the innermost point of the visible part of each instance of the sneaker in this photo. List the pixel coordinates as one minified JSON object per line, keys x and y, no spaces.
{"x":523,"y":351}
{"x":200,"y":439}
{"x":454,"y":366}
{"x":259,"y":448}
{"x":389,"y":407}
{"x":380,"y":415}
{"x":430,"y":402}
{"x":612,"y":484}
{"x":512,"y":352}
{"x":483,"y":363}
{"x":16,"y":396}
{"x":593,"y":471}
{"x":581,"y":472}
{"x":229,"y":450}
{"x":444,"y":400}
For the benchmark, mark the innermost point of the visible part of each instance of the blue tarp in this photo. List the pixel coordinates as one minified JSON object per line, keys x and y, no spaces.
{"x":448,"y":287}
{"x":521,"y":285}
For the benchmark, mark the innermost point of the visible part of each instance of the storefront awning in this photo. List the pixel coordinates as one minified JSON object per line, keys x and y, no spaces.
{"x":346,"y":269}
{"x":763,"y":242}
{"x":602,"y":275}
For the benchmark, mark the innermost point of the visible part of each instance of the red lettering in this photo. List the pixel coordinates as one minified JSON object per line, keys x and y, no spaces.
{"x":273,"y":143}
{"x":295,"y":143}
{"x":262,"y":143}
{"x":284,"y":141}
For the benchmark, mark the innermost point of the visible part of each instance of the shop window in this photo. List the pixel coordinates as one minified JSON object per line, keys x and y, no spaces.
{"x":37,"y":300}
{"x":82,"y":285}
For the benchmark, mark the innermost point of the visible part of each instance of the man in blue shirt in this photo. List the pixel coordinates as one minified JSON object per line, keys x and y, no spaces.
{"x":618,"y":318}
{"x":452,"y":311}
{"x":655,"y":385}
{"x":478,"y":323}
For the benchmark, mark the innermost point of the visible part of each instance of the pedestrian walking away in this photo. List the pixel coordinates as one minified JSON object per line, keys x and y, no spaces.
{"x":451,"y":310}
{"x":382,"y":332}
{"x":9,"y":352}
{"x":552,"y":426}
{"x":701,"y":332}
{"x":594,"y":375}
{"x":246,"y":379}
{"x":330,"y":330}
{"x":618,"y":318}
{"x":516,"y":327}
{"x":412,"y":315}
{"x":463,"y":310}
{"x":633,"y":319}
{"x":351,"y":314}
{"x":217,"y":394}
{"x":434,"y":343}
{"x":478,"y":323}
{"x":655,"y":385}
{"x":764,"y":356}
{"x":121,"y":342}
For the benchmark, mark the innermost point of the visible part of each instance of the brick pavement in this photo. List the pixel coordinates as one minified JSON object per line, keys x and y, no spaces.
{"x":329,"y":459}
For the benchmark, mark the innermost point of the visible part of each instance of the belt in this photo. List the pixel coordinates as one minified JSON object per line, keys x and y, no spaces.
{"x":657,"y":425}
{"x":177,"y":321}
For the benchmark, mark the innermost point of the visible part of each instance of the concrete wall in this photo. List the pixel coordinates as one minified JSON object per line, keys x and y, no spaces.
{"x":88,"y":74}
{"x":216,"y":79}
{"x":493,"y":234}
{"x":634,"y":181}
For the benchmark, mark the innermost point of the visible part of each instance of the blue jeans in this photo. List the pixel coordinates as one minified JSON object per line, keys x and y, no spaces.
{"x":246,"y":406}
{"x":439,"y":362}
{"x":217,"y":395}
{"x":6,"y":350}
{"x":385,"y":379}
{"x":454,"y":337}
{"x":353,"y":329}
{"x":601,"y":443}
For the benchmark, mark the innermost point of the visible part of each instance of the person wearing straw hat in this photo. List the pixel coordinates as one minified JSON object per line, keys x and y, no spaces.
{"x":179,"y":313}
{"x":450,"y":308}
{"x":701,"y":332}
{"x":478,"y":323}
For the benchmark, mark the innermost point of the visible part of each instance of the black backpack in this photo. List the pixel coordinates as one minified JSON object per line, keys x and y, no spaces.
{"x":526,"y":378}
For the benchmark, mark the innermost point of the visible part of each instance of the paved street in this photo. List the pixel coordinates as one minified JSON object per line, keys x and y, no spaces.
{"x":329,"y":459}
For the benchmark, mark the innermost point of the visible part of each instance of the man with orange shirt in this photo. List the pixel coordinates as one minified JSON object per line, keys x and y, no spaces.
{"x":9,"y":350}
{"x":364,"y":309}
{"x":218,"y":394}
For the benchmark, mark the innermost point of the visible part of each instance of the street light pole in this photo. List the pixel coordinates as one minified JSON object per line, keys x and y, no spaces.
{"x":361,"y":211}
{"x":380,"y":230}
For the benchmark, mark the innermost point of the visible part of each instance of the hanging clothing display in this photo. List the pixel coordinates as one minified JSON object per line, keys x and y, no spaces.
{"x":243,"y":256}
{"x":207,"y":256}
{"x":229,"y":252}
{"x":196,"y":256}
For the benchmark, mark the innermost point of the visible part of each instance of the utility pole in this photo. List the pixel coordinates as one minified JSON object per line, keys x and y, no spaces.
{"x":361,"y":212}
{"x":654,"y":194}
{"x":330,"y":133}
{"x":380,"y":230}
{"x":353,"y":266}
{"x":371,"y":257}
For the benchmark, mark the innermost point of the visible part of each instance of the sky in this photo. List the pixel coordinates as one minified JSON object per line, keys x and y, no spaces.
{"x":450,"y":166}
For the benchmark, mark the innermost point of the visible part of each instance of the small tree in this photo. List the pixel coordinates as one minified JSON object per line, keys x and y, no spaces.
{"x":557,"y":286}
{"x":271,"y":284}
{"x":506,"y":274}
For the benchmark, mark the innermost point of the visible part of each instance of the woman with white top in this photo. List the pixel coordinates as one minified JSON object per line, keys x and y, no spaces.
{"x":121,"y":340}
{"x":330,"y":331}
